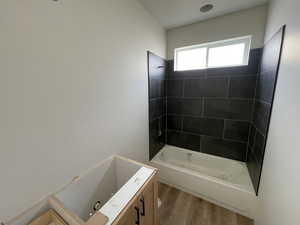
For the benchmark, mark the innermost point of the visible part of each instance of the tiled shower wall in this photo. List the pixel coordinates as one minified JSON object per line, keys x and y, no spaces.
{"x":210,"y":110}
{"x":265,"y":89}
{"x":157,"y":103}
{"x":224,"y":111}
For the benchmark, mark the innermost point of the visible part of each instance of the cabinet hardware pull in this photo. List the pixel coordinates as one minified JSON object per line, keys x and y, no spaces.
{"x":137,"y":222}
{"x":142,"y":200}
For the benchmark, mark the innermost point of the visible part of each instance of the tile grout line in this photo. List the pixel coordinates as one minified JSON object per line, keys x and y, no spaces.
{"x":203,"y":76}
{"x":248,"y":141}
{"x":183,"y":84}
{"x":262,"y":101}
{"x":214,"y":97}
{"x":181,"y":121}
{"x":261,"y":133}
{"x":209,"y":136}
{"x":200,"y":143}
{"x":254,"y":97}
{"x":224,"y":124}
{"x":203,"y":107}
{"x":208,"y":117}
{"x":228,"y":87}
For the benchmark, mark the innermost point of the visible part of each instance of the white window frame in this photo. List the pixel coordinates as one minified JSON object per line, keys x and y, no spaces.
{"x":244,"y":40}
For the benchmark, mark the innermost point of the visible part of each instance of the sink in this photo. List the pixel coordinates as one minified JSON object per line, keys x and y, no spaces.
{"x":101,"y":192}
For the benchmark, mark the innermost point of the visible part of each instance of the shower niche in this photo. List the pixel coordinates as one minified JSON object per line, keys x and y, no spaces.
{"x":223,"y":112}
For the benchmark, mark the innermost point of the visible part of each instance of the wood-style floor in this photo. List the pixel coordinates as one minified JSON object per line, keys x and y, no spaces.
{"x":180,"y":208}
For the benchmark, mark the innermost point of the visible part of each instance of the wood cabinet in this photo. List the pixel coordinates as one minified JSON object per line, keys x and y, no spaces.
{"x":125,"y":189}
{"x":147,"y":202}
{"x":142,"y":209}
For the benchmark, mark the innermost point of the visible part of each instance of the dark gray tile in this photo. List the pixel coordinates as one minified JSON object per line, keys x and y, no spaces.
{"x":223,"y":71}
{"x":242,"y":87}
{"x":156,"y":67}
{"x":175,"y":88}
{"x":269,"y":67}
{"x":156,"y":108}
{"x":184,"y":106}
{"x":228,"y":109}
{"x":152,"y":109}
{"x":259,"y":147}
{"x":223,"y":148}
{"x":157,"y":88}
{"x":212,"y":87}
{"x":236,"y":130}
{"x":191,"y":107}
{"x":164,"y":125}
{"x":156,"y":136}
{"x":230,"y":71}
{"x":174,"y":106}
{"x":266,"y":86}
{"x":174,"y":122}
{"x":204,"y":126}
{"x":179,"y":139}
{"x":261,"y":116}
{"x":160,"y":107}
{"x":190,"y":74}
{"x":255,"y":59}
{"x":242,"y":70}
{"x":164,"y":106}
{"x":153,"y":88}
{"x":162,"y":89}
{"x":264,"y":96}
{"x":157,"y":103}
{"x":271,"y":53}
{"x":254,"y":169}
{"x":170,"y":68}
{"x":252,"y":136}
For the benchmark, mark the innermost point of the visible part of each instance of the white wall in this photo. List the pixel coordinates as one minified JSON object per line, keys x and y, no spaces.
{"x":73,"y":91}
{"x":246,"y":22}
{"x":279,"y":194}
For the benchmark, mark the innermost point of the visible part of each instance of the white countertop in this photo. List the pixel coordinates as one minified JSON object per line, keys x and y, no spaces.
{"x":119,"y":201}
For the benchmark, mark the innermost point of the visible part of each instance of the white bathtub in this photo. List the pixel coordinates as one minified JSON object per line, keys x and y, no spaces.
{"x":222,"y":181}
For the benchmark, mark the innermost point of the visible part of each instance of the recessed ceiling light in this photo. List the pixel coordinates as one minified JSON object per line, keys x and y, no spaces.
{"x":206,"y":8}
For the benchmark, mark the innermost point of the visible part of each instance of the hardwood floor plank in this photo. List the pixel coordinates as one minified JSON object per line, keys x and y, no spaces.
{"x":180,"y":208}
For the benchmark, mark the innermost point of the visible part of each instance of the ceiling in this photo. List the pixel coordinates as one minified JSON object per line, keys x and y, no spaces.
{"x":174,"y":13}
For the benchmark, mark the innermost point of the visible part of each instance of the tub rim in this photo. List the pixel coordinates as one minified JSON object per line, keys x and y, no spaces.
{"x":160,"y":162}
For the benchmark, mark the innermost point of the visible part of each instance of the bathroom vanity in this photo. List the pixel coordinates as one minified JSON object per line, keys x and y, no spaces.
{"x":119,"y":191}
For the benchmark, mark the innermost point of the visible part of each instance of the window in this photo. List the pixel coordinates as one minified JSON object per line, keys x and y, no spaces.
{"x":232,"y":52}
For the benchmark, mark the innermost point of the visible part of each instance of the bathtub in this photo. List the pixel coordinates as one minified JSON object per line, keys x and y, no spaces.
{"x":221,"y":181}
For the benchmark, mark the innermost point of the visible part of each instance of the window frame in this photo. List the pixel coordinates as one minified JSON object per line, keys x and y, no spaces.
{"x":223,"y":43}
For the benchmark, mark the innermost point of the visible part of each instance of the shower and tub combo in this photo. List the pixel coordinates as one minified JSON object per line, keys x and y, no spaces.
{"x":208,"y":128}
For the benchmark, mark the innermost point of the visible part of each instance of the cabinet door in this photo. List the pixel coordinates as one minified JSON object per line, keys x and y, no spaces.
{"x":126,"y":219}
{"x":136,"y":213}
{"x":131,"y":216}
{"x":143,"y":209}
{"x":147,"y":205}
